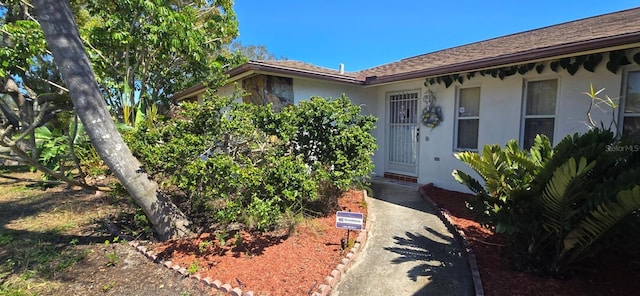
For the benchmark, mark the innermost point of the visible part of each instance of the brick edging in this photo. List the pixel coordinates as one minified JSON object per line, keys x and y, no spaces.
{"x":330,"y":281}
{"x":337,"y":273}
{"x":460,"y":235}
{"x":216,"y":284}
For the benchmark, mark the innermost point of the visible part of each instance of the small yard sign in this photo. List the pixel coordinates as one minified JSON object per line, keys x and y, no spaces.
{"x":349,"y":220}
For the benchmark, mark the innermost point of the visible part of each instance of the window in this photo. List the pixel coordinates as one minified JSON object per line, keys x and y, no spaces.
{"x":468,"y":118}
{"x":631,"y":115}
{"x":540,"y":110}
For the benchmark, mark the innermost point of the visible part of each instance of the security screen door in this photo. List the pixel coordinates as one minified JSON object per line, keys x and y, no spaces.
{"x":404,"y":132}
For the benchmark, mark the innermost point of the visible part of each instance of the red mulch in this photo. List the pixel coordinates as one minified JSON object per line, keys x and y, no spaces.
{"x":608,"y":276}
{"x":271,"y":263}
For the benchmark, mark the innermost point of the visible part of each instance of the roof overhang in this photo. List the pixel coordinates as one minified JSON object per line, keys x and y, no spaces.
{"x":195,"y":90}
{"x":595,"y":45}
{"x":254,"y":67}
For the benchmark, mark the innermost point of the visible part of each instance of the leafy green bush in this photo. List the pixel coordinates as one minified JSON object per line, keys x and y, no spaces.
{"x":503,"y":172}
{"x":331,"y":136}
{"x":54,"y":149}
{"x":561,"y":206}
{"x":244,"y":163}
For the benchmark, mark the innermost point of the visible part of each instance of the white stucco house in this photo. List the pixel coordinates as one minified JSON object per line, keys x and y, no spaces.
{"x":510,"y":87}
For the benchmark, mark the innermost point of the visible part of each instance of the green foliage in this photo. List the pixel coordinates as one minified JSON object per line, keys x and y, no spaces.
{"x":109,"y":286}
{"x":503,"y":172}
{"x":141,"y":222}
{"x":112,"y":258}
{"x":193,"y":267}
{"x":331,"y":136}
{"x":142,"y":52}
{"x":559,"y":206}
{"x":54,"y":148}
{"x":222,"y":237}
{"x":595,"y":101}
{"x":253,"y":52}
{"x":239,"y":241}
{"x":562,"y":191}
{"x":148,"y":50}
{"x":244,"y":163}
{"x":5,"y":239}
{"x":204,"y":245}
{"x":25,"y":42}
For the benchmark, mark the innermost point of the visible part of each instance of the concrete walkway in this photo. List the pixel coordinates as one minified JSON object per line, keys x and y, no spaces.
{"x":409,"y":250}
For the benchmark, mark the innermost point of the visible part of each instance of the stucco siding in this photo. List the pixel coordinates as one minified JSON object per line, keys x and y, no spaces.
{"x":229,"y":91}
{"x":501,"y":109}
{"x":303,"y":89}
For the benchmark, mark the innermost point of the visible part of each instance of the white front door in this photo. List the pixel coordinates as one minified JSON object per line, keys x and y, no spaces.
{"x":404,"y":131}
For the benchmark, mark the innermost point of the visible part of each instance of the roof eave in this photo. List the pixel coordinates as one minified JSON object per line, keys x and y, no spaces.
{"x":177,"y":97}
{"x":264,"y":68}
{"x":520,"y":57}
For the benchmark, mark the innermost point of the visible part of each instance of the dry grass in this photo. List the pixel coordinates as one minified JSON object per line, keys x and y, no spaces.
{"x":39,"y":232}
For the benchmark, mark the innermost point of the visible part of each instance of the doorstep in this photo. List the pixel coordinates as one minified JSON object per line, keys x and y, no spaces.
{"x":400,"y":177}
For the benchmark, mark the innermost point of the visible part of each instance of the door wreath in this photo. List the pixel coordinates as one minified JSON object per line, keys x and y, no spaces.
{"x":432,"y":116}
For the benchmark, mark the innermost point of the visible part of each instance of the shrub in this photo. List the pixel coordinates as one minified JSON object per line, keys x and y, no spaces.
{"x":557,"y":206}
{"x":244,"y":163}
{"x":54,"y":149}
{"x":331,"y":136}
{"x":503,"y":172}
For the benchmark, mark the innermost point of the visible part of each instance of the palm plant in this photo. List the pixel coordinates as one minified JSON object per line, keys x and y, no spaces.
{"x":556,"y":206}
{"x":503,"y":172}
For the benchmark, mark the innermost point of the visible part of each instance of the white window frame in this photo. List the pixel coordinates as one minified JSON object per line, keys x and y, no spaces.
{"x":621,"y":113}
{"x":456,"y":146}
{"x":524,"y":117}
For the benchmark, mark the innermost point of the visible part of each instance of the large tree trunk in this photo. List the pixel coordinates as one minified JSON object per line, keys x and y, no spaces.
{"x":62,"y":36}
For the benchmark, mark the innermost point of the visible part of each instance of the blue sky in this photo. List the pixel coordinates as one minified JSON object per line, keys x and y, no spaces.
{"x":364,"y":34}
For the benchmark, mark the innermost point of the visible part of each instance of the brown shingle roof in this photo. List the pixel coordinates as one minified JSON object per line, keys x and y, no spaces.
{"x":594,"y":33}
{"x":581,"y":35}
{"x":297,"y":68}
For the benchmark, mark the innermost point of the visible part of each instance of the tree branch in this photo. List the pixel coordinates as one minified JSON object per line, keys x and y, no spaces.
{"x":28,"y":160}
{"x":57,"y":182}
{"x":47,"y":81}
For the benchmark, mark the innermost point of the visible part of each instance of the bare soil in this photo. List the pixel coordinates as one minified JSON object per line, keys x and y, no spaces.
{"x":607,"y":275}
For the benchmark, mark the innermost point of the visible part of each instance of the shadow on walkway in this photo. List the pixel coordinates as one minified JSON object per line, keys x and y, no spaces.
{"x":410,"y":251}
{"x":439,"y":262}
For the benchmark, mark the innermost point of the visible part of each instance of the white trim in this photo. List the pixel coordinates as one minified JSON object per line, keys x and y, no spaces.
{"x":457,"y":118}
{"x":622,"y":102}
{"x":523,"y":114}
